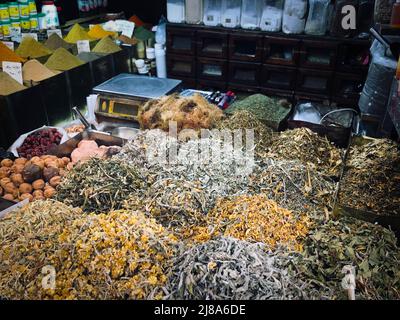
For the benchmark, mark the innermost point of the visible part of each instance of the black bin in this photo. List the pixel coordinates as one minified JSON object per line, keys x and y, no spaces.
{"x":55,"y":97}
{"x":20,"y":113}
{"x":80,"y":84}
{"x":102,"y":69}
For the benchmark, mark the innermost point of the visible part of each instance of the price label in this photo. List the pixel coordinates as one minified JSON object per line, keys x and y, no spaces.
{"x":83,"y":46}
{"x":15,"y":31}
{"x":52,"y":31}
{"x":9,"y":44}
{"x":30,"y":35}
{"x":13,"y":69}
{"x":126,"y":27}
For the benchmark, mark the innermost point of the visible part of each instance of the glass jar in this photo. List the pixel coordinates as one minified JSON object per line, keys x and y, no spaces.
{"x":34,"y":21}
{"x":294,"y":16}
{"x":212,"y":12}
{"x":251,"y":14}
{"x":4,"y":14}
{"x":271,"y":19}
{"x":194,"y":11}
{"x":13,"y":9}
{"x":25,"y":24}
{"x":176,"y":11}
{"x":231,"y":12}
{"x":317,"y":20}
{"x":50,"y":10}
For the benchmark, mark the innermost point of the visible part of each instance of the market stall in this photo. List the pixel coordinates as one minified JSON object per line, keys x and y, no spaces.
{"x":193,"y":161}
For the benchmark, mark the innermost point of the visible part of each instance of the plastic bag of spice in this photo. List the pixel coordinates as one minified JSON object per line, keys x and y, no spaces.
{"x":19,"y":142}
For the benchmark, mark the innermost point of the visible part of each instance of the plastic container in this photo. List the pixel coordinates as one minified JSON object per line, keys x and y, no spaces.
{"x":193,"y":11}
{"x":395,"y":19}
{"x":4,"y":13}
{"x":24,"y":9}
{"x":176,"y":11}
{"x":212,"y":12}
{"x":25,"y":23}
{"x":42,"y":21}
{"x":34,"y":21}
{"x":50,"y":10}
{"x":251,"y":14}
{"x":317,"y":20}
{"x":13,"y":9}
{"x":15,"y":23}
{"x":231,"y":12}
{"x":5,"y":26}
{"x":271,"y":18}
{"x":32,"y":6}
{"x":294,"y":16}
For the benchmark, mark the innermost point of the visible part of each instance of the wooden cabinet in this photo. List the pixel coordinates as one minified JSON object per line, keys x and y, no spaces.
{"x":318,"y":54}
{"x":244,"y":73}
{"x":181,"y":66}
{"x":246,"y":47}
{"x":181,"y":41}
{"x":278,"y":77}
{"x":281,"y":51}
{"x":316,"y":82}
{"x":212,"y":44}
{"x":212,"y":69}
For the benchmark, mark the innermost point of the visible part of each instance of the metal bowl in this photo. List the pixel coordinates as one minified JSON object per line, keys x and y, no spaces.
{"x":125,"y":133}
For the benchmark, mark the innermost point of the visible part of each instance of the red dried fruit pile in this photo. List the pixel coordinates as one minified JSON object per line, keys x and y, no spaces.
{"x":39,"y":143}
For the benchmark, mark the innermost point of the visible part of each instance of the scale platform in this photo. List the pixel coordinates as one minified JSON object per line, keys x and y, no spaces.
{"x":134,"y":86}
{"x":121,"y":97}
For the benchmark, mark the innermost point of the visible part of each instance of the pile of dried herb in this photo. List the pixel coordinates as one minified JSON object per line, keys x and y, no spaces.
{"x":293,"y":185}
{"x":221,"y":172}
{"x":176,"y":204}
{"x":370,"y":248}
{"x":372,"y":179}
{"x":308,"y":147}
{"x":29,"y":242}
{"x":106,"y":46}
{"x":258,"y":219}
{"x":63,"y":60}
{"x":32,"y":49}
{"x":241,"y":120}
{"x":230,"y":269}
{"x":270,"y":111}
{"x":99,"y":185}
{"x":119,"y":255}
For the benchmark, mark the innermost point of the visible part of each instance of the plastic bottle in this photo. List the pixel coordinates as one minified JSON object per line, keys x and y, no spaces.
{"x":395,"y":19}
{"x":24,"y":9}
{"x":317,"y":17}
{"x":50,"y":10}
{"x":32,"y":6}
{"x":4,"y":14}
{"x":176,"y":11}
{"x":294,"y":16}
{"x":231,"y":12}
{"x":13,"y":9}
{"x":251,"y":14}
{"x":193,"y":11}
{"x":212,"y":12}
{"x":271,"y":18}
{"x":161,"y":61}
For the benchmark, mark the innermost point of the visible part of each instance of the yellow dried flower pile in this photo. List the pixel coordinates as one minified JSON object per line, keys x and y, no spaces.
{"x":29,"y":242}
{"x":119,"y":255}
{"x":257,"y":219}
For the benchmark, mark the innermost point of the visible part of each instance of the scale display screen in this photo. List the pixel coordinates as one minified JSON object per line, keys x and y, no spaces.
{"x":119,"y":108}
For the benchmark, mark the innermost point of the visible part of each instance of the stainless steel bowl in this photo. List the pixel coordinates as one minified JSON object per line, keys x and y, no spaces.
{"x":125,"y":133}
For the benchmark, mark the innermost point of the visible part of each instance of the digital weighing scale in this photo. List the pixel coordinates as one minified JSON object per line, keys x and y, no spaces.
{"x":121,"y":97}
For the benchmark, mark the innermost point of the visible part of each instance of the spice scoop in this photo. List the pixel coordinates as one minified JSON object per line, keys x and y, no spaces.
{"x":83,"y":119}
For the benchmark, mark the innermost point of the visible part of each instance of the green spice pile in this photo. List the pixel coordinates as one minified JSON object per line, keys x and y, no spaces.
{"x":294,"y":186}
{"x":371,"y":249}
{"x":99,"y":185}
{"x":372,"y":179}
{"x":308,"y":147}
{"x":230,"y":269}
{"x":8,"y":85}
{"x":107,"y":46}
{"x":241,"y":120}
{"x":29,"y":242}
{"x":32,"y":49}
{"x":63,"y":60}
{"x":55,"y":42}
{"x":270,"y":111}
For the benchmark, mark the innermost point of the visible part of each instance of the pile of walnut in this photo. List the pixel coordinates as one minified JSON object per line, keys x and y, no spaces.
{"x":35,"y":179}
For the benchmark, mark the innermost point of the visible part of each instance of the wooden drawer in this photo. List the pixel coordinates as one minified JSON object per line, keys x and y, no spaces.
{"x":181,"y":41}
{"x":246,"y":47}
{"x":353,"y":57}
{"x":283,"y":78}
{"x":318,"y":54}
{"x":314,"y":81}
{"x":212,"y":44}
{"x":348,"y":87}
{"x":181,"y":66}
{"x":212,"y":69}
{"x":244,"y":73}
{"x":281,"y":51}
